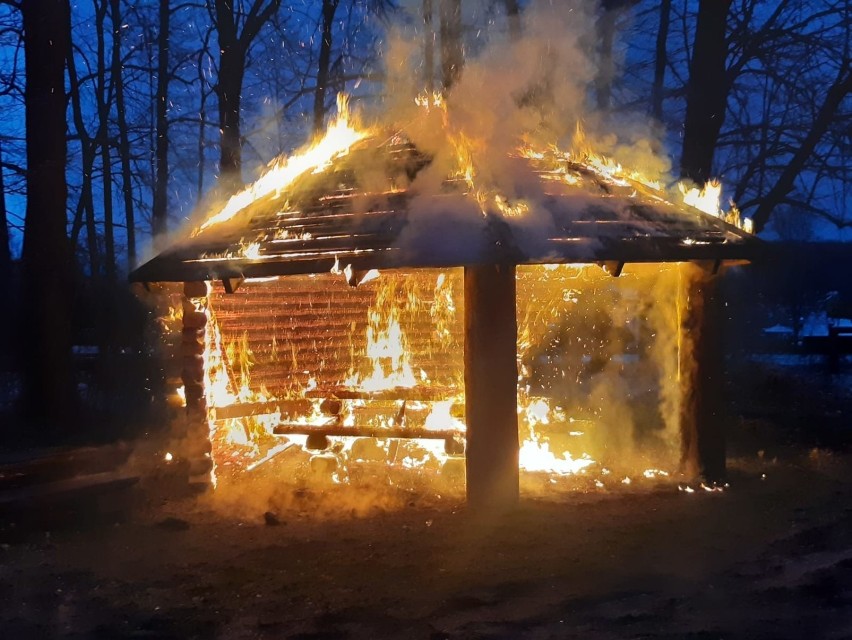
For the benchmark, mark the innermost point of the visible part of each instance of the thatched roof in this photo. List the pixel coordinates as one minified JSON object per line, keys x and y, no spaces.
{"x":377,"y":218}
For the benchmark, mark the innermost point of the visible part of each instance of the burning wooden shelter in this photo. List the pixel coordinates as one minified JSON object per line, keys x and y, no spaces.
{"x":339,"y":299}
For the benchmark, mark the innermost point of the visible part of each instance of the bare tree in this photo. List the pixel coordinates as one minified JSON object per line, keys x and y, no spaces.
{"x":706,"y":99}
{"x":660,"y":60}
{"x":329,"y":8}
{"x":236,"y":31}
{"x":428,"y":46}
{"x":84,"y":213}
{"x":5,"y":250}
{"x":104,"y":87}
{"x":46,"y":256}
{"x":611,"y":11}
{"x":159,"y":210}
{"x":124,"y":151}
{"x":452,"y":45}
{"x":325,"y":64}
{"x":513,"y":14}
{"x":837,"y":92}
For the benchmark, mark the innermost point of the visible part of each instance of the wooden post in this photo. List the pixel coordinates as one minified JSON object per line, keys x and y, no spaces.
{"x":491,"y":386}
{"x":196,"y":448}
{"x":701,"y":369}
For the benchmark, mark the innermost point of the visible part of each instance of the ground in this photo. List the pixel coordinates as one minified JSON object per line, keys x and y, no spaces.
{"x":770,"y":557}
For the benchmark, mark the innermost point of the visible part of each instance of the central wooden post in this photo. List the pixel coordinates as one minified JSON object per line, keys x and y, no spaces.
{"x":491,"y":385}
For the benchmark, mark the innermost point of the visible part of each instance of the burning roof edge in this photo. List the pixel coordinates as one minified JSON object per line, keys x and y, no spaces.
{"x":336,"y":223}
{"x":575,"y":251}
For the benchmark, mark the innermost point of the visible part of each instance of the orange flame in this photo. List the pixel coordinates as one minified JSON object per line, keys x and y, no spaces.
{"x":283,"y":171}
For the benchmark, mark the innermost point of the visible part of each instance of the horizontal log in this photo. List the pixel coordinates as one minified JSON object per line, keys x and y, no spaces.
{"x":365,"y":431}
{"x":397,"y":393}
{"x":333,"y":353}
{"x":248,"y":409}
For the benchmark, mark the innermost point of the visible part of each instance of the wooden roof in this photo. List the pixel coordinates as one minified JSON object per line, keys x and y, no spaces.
{"x":349,"y":216}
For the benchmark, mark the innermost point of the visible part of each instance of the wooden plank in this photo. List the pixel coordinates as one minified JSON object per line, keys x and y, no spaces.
{"x":247,"y":409}
{"x":366,"y":431}
{"x":418,"y":393}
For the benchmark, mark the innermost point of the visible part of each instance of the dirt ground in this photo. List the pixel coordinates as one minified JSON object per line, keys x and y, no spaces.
{"x":771,"y":557}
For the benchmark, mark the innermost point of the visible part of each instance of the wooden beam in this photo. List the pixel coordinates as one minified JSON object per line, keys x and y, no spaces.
{"x":491,"y":386}
{"x":196,"y":447}
{"x":366,"y":431}
{"x":701,"y":368}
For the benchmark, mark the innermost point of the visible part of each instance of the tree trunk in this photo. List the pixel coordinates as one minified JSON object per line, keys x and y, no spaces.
{"x":233,"y":48}
{"x":123,"y":135}
{"x":202,"y":129}
{"x":159,"y":209}
{"x":513,"y":14}
{"x":707,"y":91}
{"x":229,"y":87}
{"x":47,"y":265}
{"x":104,"y":100}
{"x":85,"y":212}
{"x":491,"y":385}
{"x":6,"y":319}
{"x":5,"y":249}
{"x":329,"y":8}
{"x":428,"y":47}
{"x":606,"y":63}
{"x":109,"y":226}
{"x":452,"y":48}
{"x":661,"y":60}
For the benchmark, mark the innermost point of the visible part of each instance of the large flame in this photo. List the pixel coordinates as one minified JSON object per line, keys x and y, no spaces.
{"x":338,"y":139}
{"x":535,"y":453}
{"x":706,"y":199}
{"x":387,"y":347}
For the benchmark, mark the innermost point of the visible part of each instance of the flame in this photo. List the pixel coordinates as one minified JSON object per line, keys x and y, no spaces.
{"x":554,"y":163}
{"x":283,"y":171}
{"x":440,"y":418}
{"x":388,"y":353}
{"x":371,"y":275}
{"x":706,"y":199}
{"x":509,"y":210}
{"x":251,"y":251}
{"x":430,"y":100}
{"x":465,"y":170}
{"x":535,"y":453}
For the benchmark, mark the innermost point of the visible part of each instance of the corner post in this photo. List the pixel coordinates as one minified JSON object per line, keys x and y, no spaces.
{"x":197,"y":447}
{"x":701,"y":367}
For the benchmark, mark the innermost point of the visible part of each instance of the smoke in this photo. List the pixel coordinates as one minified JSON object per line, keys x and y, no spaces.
{"x":608,"y":352}
{"x":330,"y":486}
{"x":532,"y":91}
